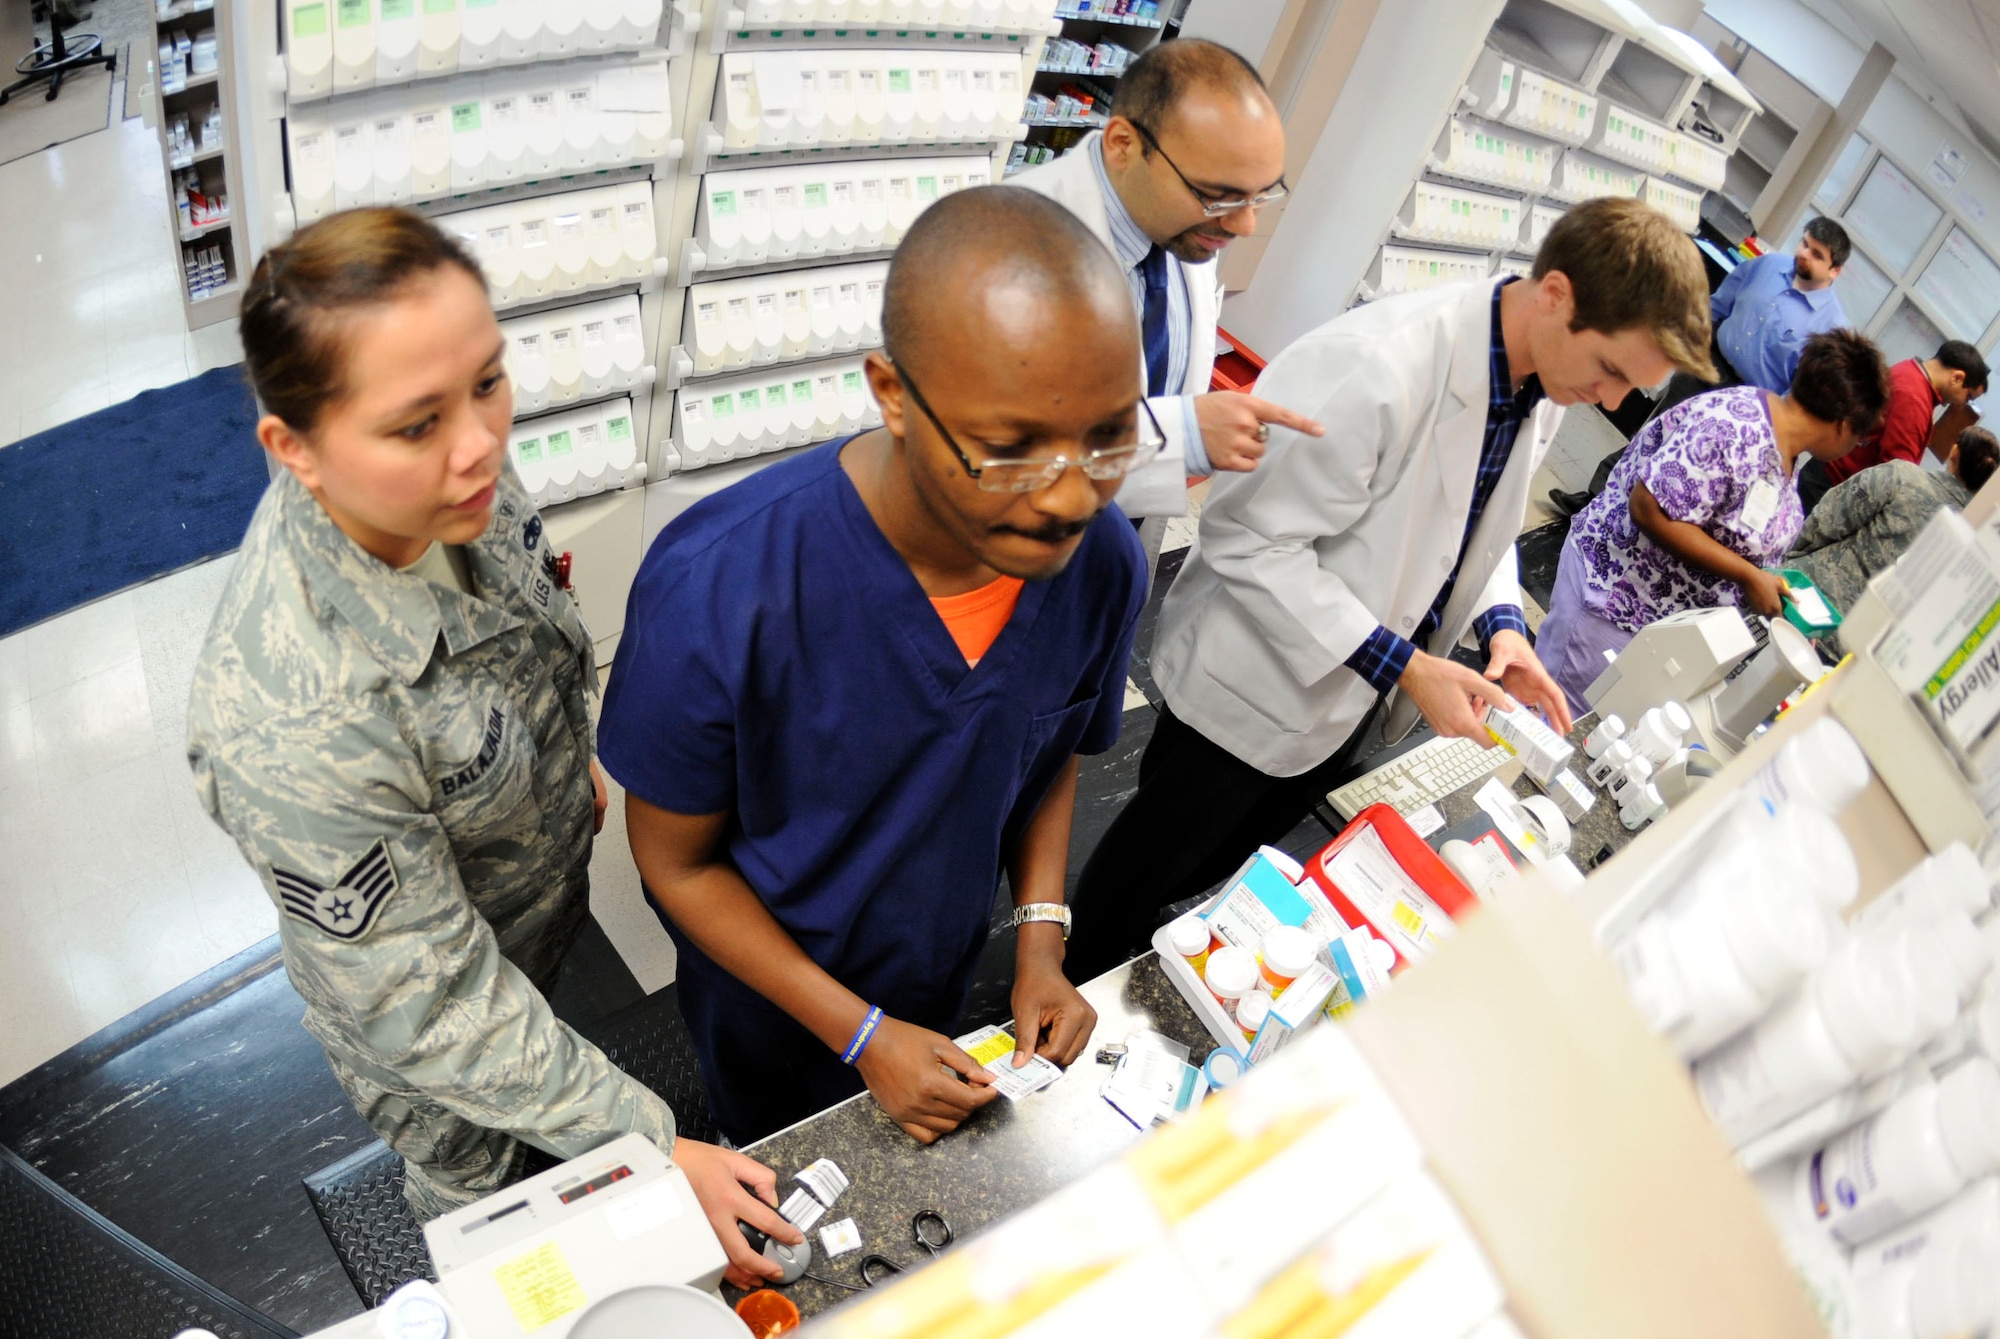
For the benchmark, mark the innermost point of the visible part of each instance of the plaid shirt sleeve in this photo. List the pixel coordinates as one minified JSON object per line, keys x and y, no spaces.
{"x":1381,"y":659}
{"x":1500,"y":618}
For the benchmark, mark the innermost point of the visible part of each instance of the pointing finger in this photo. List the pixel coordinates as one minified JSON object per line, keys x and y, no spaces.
{"x":1267,"y":412}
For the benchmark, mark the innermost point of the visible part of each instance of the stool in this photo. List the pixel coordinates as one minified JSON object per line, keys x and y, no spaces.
{"x":54,"y":60}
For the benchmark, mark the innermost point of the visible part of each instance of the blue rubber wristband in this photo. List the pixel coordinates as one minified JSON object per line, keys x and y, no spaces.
{"x":861,"y":1036}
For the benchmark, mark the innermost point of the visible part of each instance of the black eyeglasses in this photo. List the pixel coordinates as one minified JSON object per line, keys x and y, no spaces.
{"x":1210,"y":205}
{"x":1038,"y":472}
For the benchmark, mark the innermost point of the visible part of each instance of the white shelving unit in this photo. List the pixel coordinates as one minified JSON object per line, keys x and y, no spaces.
{"x":1568,"y":101}
{"x":197,"y":119}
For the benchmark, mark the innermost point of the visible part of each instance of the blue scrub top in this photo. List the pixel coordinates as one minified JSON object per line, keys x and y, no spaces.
{"x":781,"y":663}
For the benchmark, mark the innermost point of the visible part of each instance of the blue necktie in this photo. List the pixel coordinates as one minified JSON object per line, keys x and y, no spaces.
{"x":1153,"y":329}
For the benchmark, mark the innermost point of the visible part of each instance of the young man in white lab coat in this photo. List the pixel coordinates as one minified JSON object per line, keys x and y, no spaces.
{"x":1177,"y":175}
{"x":1347,"y":568}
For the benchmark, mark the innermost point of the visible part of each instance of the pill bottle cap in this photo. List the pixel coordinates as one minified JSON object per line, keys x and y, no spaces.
{"x":1252,"y":1010}
{"x":1864,"y":995}
{"x":1189,"y":935}
{"x":1969,"y":1117}
{"x":1829,"y":764}
{"x":1288,"y":950}
{"x":1807,"y":847}
{"x":1956,"y":879}
{"x":1951,"y":1290}
{"x":1933,"y":982}
{"x":1639,"y":769}
{"x":1678,"y":718}
{"x":1967,"y":950}
{"x":1777,"y":931}
{"x":1230,"y":971}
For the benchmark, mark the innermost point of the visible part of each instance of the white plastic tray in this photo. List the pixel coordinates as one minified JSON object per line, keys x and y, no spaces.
{"x":1206,"y":1007}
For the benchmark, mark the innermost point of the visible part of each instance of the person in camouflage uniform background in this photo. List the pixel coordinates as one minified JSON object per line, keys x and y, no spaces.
{"x":1863,"y":525}
{"x":391,"y":717}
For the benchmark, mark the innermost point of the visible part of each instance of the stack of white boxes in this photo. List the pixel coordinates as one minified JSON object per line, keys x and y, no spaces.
{"x":536,"y":131}
{"x":807,"y":179}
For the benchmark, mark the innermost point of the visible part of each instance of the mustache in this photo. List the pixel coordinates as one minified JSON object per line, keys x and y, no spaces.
{"x":1053,"y":533}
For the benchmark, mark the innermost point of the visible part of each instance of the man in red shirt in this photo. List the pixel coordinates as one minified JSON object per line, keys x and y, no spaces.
{"x":1954,"y":378}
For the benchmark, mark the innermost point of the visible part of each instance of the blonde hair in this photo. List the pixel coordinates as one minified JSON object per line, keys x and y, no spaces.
{"x":1629,"y":267}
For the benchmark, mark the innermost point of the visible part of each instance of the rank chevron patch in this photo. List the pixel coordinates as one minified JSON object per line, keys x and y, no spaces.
{"x":347,"y":908}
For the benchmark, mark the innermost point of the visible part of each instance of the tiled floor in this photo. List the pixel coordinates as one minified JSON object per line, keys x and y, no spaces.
{"x":88,"y":279}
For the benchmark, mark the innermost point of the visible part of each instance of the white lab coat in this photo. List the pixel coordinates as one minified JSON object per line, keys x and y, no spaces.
{"x":1296,"y":563}
{"x":1160,"y":488}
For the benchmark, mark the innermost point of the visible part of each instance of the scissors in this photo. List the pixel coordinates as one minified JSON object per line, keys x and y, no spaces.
{"x":928,"y":1228}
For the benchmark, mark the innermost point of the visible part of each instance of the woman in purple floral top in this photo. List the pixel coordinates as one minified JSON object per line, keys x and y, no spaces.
{"x":1705,"y":500}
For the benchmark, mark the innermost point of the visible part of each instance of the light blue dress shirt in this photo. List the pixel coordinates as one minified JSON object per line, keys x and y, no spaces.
{"x":1762,"y":322}
{"x":1130,"y":244}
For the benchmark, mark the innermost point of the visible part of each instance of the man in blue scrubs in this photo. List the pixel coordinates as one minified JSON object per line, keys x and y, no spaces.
{"x":853,"y":687}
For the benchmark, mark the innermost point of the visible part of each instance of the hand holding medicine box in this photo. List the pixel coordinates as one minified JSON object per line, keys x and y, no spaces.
{"x":1528,"y":737}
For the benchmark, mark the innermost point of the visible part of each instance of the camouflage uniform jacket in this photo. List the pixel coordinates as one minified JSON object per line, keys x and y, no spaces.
{"x":407,"y":769}
{"x":1863,"y":525}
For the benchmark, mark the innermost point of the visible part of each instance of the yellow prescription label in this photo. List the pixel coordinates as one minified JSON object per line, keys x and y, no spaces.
{"x":539,"y":1287}
{"x":1409,"y":919}
{"x":986,"y":1052}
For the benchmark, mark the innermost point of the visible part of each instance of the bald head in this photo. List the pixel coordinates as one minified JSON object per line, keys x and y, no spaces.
{"x":995,"y":265}
{"x":1165,"y":78}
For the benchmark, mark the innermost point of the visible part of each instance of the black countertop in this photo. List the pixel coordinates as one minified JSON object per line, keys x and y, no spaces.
{"x":1007,"y":1156}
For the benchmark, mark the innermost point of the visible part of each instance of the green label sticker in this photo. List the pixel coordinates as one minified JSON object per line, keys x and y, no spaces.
{"x":747,"y":401}
{"x":722,"y":407}
{"x":464,"y":117}
{"x":309,"y":20}
{"x":815,"y":195}
{"x":355,"y":13}
{"x":530,"y":450}
{"x":440,"y":6}
{"x":899,"y":81}
{"x":393,"y":10}
{"x":618,"y":429}
{"x":850,"y":381}
{"x":722,"y":204}
{"x":774,"y":396}
{"x":802,"y":390}
{"x":559,"y":443}
{"x":481,"y":4}
{"x":927,"y":188}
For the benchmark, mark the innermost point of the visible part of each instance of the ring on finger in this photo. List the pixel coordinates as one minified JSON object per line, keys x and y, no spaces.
{"x":1263,"y":433}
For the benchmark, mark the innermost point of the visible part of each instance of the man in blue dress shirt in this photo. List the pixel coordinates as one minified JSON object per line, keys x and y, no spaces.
{"x":1769,"y":307}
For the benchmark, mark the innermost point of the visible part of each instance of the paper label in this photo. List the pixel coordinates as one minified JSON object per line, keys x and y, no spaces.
{"x":559,"y":444}
{"x":899,"y":81}
{"x":748,"y":401}
{"x":464,"y":117}
{"x":815,"y":195}
{"x":1399,"y":909}
{"x":561,"y":339}
{"x":839,"y":1238}
{"x":530,"y":450}
{"x":394,"y":10}
{"x":927,"y":188}
{"x":850,"y":381}
{"x":539,"y":1287}
{"x":824,"y":1179}
{"x":993,"y":1048}
{"x":642,"y":1210}
{"x":354,"y":14}
{"x":1758,"y":508}
{"x":722,"y":204}
{"x":603,"y":220}
{"x":722,"y":407}
{"x":440,"y":6}
{"x":593,"y":334}
{"x":309,"y":20}
{"x":534,"y":232}
{"x":801,"y":1210}
{"x":618,"y":429}
{"x":774,"y":396}
{"x":802,"y":390}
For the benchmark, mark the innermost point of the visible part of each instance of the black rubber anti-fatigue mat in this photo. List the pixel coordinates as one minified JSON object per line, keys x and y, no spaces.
{"x":70,"y":1271}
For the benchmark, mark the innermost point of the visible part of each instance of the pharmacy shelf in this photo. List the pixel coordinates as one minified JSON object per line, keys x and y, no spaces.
{"x":695,"y":266}
{"x":194,"y":84}
{"x":1088,"y":121}
{"x":710,"y":153}
{"x":739,"y":35}
{"x":681,"y":373}
{"x":228,"y":295}
{"x":1121,"y":20}
{"x":205,"y":229}
{"x":433,"y":206}
{"x":424,"y":80}
{"x":1083,"y":73}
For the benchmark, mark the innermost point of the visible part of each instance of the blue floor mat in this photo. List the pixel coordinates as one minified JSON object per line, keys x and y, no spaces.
{"x":132,"y":492}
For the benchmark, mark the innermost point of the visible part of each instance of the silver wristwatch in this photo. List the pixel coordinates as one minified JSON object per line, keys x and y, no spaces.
{"x":1043,"y":911}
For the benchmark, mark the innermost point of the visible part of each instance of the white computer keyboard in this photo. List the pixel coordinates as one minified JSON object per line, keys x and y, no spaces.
{"x":1424,"y":775}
